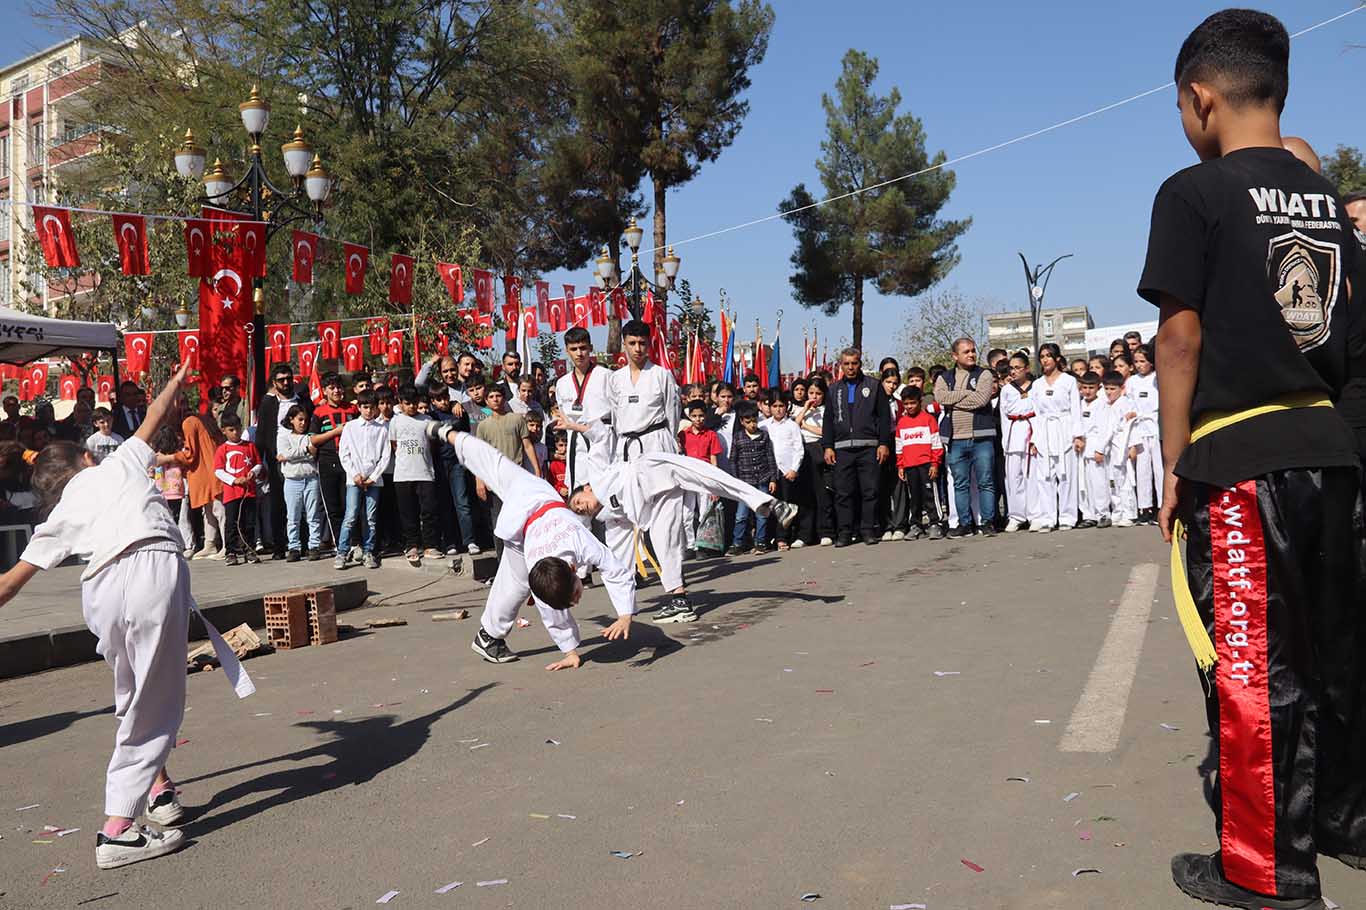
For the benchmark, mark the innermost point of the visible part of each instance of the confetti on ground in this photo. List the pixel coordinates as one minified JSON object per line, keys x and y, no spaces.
{"x":825,"y":691}
{"x":475,"y":740}
{"x":303,"y":713}
{"x":336,"y":710}
{"x":480,"y":746}
{"x":1076,"y":872}
{"x":1071,"y":796}
{"x":536,"y":815}
{"x":494,"y":881}
{"x":26,"y":808}
{"x":480,"y":843}
{"x":811,"y":896}
{"x":948,"y":672}
{"x":570,"y":817}
{"x":552,"y":742}
{"x":623,"y":854}
{"x":1170,"y":728}
{"x":262,"y":714}
{"x":971,"y":865}
{"x":680,"y":802}
{"x":1084,"y":835}
{"x":523,"y":623}
{"x":787,"y":669}
{"x":45,"y":842}
{"x":764,"y":720}
{"x":906,"y":907}
{"x":65,"y":831}
{"x":1023,"y":780}
{"x":386,"y":897}
{"x":450,"y":615}
{"x":451,"y":887}
{"x":56,"y":871}
{"x":868,"y":664}
{"x":1043,"y":721}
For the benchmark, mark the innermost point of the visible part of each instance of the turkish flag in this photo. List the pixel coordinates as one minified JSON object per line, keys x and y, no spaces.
{"x":70,"y":383}
{"x":443,"y":341}
{"x":483,"y":290}
{"x":621,"y":358}
{"x":454,"y":280}
{"x":530,"y":326}
{"x":329,"y":334}
{"x":560,"y":368}
{"x":198,"y":241}
{"x":188,"y":343}
{"x":357,"y":258}
{"x":393,"y":348}
{"x":244,"y":237}
{"x":401,"y":279}
{"x":543,"y":301}
{"x":353,"y":353}
{"x":569,"y":296}
{"x":581,"y":312}
{"x":225,"y":305}
{"x":104,"y":388}
{"x":377,"y":329}
{"x":36,"y":373}
{"x":619,"y":308}
{"x":512,"y":315}
{"x":597,"y":306}
{"x":305,"y":252}
{"x":54,"y":233}
{"x":512,"y":291}
{"x":558,"y":320}
{"x":137,"y":347}
{"x":130,"y":233}
{"x":277,"y":341}
{"x":308,"y":359}
{"x":26,"y":389}
{"x":485,"y":322}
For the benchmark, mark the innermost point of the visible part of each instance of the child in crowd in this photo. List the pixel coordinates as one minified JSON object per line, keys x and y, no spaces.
{"x":919,"y":457}
{"x":788,"y":452}
{"x":1017,"y":430}
{"x":237,"y":465}
{"x":297,"y":454}
{"x":169,"y":474}
{"x":326,"y":426}
{"x":1142,"y":391}
{"x":1120,"y":454}
{"x":1094,"y":481}
{"x":104,"y":440}
{"x":414,"y":478}
{"x":816,"y":520}
{"x":1098,"y":365}
{"x":535,"y":425}
{"x":364,"y":451}
{"x":1077,"y":368}
{"x":506,"y":432}
{"x":751,"y":456}
{"x":558,"y":466}
{"x":697,"y":441}
{"x":1054,"y":445}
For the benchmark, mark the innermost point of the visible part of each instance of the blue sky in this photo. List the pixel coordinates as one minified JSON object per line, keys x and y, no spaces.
{"x":977,"y":74}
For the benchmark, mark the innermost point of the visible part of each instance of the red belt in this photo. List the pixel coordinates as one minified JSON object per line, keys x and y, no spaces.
{"x":539,"y":512}
{"x":1028,"y":416}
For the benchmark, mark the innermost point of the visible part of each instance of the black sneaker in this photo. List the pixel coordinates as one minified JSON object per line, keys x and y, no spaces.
{"x":961,"y":531}
{"x":678,"y":609}
{"x":292,"y":556}
{"x":937,"y":532}
{"x":689,"y":553}
{"x":135,"y":845}
{"x":870,"y":539}
{"x":315,"y":555}
{"x":1086,"y":523}
{"x":666,"y":613}
{"x":1104,"y":522}
{"x":915,"y":533}
{"x":251,"y":556}
{"x":1201,"y":876}
{"x":493,"y":650}
{"x":230,"y":560}
{"x":735,"y":551}
{"x":987,"y":530}
{"x":843,"y":540}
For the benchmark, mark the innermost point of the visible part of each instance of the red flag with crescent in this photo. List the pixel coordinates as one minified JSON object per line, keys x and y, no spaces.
{"x":569,"y":297}
{"x":188,"y":342}
{"x":305,"y":252}
{"x":329,"y":336}
{"x":377,"y":330}
{"x":353,"y":353}
{"x":225,"y":304}
{"x":619,"y":308}
{"x":137,"y":348}
{"x":36,"y":373}
{"x":70,"y":383}
{"x":308,"y":359}
{"x":357,"y":258}
{"x":53,"y":226}
{"x":484,"y":321}
{"x":315,"y":388}
{"x":277,"y":341}
{"x":581,"y":312}
{"x":559,"y":320}
{"x":25,"y":389}
{"x":483,"y":290}
{"x":130,"y":233}
{"x":530,"y":325}
{"x":401,"y":279}
{"x":454,"y":279}
{"x":621,"y":358}
{"x":543,"y":301}
{"x":597,"y":306}
{"x":198,"y":241}
{"x":512,"y":291}
{"x":393,"y":348}
{"x":560,"y":367}
{"x":512,"y":315}
{"x":244,"y":238}
{"x":104,"y":388}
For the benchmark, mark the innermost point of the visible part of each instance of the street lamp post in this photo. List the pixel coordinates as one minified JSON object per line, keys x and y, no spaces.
{"x":635,"y":283}
{"x":1036,"y":282}
{"x":264,"y":200}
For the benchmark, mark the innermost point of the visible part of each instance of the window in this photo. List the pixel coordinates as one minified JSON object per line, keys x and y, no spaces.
{"x":1048,"y":325}
{"x":74,"y":131}
{"x":18,"y":84}
{"x":6,"y":213}
{"x":4,"y":155}
{"x":56,"y":67}
{"x":35,"y":143}
{"x":35,"y":197}
{"x":4,"y":283}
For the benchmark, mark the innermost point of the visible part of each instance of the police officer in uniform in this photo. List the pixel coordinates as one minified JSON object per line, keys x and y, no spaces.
{"x":857,"y":438}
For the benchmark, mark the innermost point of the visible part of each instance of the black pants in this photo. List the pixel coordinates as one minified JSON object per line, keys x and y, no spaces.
{"x":789,"y":491}
{"x":857,"y":475}
{"x":273,"y":533}
{"x":819,"y":494}
{"x":886,"y":489}
{"x":239,"y":516}
{"x":1273,"y":565}
{"x":495,"y":507}
{"x":389,"y":534}
{"x":915,"y":497}
{"x":417,"y":513}
{"x":332,"y":483}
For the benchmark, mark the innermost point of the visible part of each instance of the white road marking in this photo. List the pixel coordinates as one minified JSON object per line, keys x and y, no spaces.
{"x":1099,"y":716}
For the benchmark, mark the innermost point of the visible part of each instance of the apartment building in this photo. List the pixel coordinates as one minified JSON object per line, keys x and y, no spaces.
{"x":1064,"y":326}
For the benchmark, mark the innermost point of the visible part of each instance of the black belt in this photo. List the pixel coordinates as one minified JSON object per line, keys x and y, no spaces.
{"x":636,"y":434}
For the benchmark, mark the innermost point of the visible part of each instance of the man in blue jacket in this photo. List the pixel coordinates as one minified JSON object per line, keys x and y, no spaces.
{"x":857,"y":438}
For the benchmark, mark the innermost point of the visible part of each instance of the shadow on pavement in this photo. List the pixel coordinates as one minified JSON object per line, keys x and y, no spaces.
{"x":644,"y":637}
{"x":37,"y":727}
{"x":357,"y":757}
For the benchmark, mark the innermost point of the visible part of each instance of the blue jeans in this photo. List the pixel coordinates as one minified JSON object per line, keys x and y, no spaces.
{"x":461,"y":490}
{"x":742,"y":513}
{"x":967,"y":457}
{"x":303,"y":495}
{"x":354,"y":495}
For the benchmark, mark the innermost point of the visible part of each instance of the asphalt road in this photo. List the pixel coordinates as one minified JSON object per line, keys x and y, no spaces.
{"x":796,"y":739}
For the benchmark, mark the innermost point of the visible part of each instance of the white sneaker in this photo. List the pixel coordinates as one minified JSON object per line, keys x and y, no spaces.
{"x":886,"y":535}
{"x":826,"y":541}
{"x":473,"y":549}
{"x":165,"y":810}
{"x":798,"y":544}
{"x":897,"y":535}
{"x":1012,"y":526}
{"x":785,"y":512}
{"x":1041,"y":529}
{"x":1123,"y":523}
{"x":135,"y":845}
{"x":221,"y":553}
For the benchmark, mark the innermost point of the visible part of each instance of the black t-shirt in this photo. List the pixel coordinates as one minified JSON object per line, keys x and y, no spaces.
{"x":1260,"y":246}
{"x":326,"y":418}
{"x":1352,"y":403}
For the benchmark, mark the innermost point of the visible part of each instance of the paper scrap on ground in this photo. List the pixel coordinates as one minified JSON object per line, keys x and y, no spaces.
{"x":825,"y":691}
{"x":523,"y":623}
{"x":536,"y":815}
{"x":570,"y":817}
{"x":385,"y":622}
{"x":65,"y":831}
{"x":1084,"y":835}
{"x":1043,"y":721}
{"x":623,"y":854}
{"x":451,"y":887}
{"x":386,"y":897}
{"x":680,"y":802}
{"x":552,"y":742}
{"x":971,"y":865}
{"x":493,"y":881}
{"x":948,"y":672}
{"x":1170,"y":728}
{"x":474,"y":740}
{"x":26,"y":808}
{"x":764,"y":720}
{"x":1071,"y":796}
{"x":480,"y":746}
{"x":811,"y":896}
{"x":480,"y":843}
{"x":1076,"y":872}
{"x":450,"y":615}
{"x":45,"y":842}
{"x":906,"y":907}
{"x":261,"y":714}
{"x":1023,"y":780}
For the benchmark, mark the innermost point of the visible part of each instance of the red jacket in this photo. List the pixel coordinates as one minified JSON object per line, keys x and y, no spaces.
{"x":917,"y":441}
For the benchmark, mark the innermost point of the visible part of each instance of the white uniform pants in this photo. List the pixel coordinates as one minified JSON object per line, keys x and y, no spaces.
{"x":690,"y":521}
{"x":1017,"y":485}
{"x":139,"y":608}
{"x":1095,"y":489}
{"x":1122,"y":504}
{"x":1053,"y":491}
{"x":1148,"y":474}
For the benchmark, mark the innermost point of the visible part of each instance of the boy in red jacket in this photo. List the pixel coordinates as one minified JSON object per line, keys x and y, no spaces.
{"x":919,"y":453}
{"x":236,"y":463}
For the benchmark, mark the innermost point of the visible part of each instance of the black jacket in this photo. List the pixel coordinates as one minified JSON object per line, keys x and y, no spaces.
{"x":867,"y":422}
{"x":268,"y":419}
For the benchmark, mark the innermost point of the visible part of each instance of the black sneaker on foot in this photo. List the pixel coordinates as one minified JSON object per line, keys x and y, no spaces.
{"x":666,"y":613}
{"x":230,"y":560}
{"x":251,"y":556}
{"x":1085,"y":523}
{"x":937,"y":532}
{"x":1202,"y":877}
{"x":292,"y":556}
{"x":871,"y":538}
{"x":493,"y":650}
{"x":961,"y":531}
{"x":735,"y":551}
{"x":678,"y":609}
{"x":315,"y":555}
{"x":1104,"y":522}
{"x":987,"y":530}
{"x":843,"y":540}
{"x":165,"y":810}
{"x":689,"y":553}
{"x":135,"y":845}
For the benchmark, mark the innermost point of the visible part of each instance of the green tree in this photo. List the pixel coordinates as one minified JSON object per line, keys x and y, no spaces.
{"x":890,"y":234}
{"x":1346,"y":170}
{"x":934,"y":321}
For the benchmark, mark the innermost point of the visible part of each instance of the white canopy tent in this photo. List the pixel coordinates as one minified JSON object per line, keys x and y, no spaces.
{"x":25,"y":338}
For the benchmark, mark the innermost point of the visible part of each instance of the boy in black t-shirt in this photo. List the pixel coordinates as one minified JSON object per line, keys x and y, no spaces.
{"x":1249,"y":254}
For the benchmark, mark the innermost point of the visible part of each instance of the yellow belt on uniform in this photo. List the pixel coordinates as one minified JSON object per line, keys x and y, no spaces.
{"x":1191,"y":624}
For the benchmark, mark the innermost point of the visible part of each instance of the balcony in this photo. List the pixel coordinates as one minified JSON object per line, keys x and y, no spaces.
{"x":70,"y":84}
{"x":75,"y":144}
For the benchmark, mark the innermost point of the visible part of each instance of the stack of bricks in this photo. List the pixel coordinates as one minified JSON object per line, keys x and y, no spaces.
{"x":322,"y":616}
{"x":287,"y":619}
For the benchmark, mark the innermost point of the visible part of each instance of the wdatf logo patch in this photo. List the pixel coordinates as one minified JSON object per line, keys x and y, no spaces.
{"x":1305,"y":274}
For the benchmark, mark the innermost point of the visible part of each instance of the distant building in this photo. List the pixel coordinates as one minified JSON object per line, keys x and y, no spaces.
{"x":1064,"y":326}
{"x":48,"y":128}
{"x":1098,"y":340}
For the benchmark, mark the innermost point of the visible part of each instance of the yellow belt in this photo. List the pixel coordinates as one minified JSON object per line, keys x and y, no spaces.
{"x":642,"y":553}
{"x":1191,"y":623}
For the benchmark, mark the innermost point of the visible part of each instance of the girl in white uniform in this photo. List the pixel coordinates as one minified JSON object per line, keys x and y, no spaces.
{"x":1017,"y":428}
{"x":1142,"y":390}
{"x":135,"y":596}
{"x":1097,"y":421}
{"x":1058,"y":438}
{"x":1123,"y":414}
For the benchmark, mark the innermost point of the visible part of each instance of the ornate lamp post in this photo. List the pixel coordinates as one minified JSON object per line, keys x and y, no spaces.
{"x":1037,"y":282}
{"x":635,"y":283}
